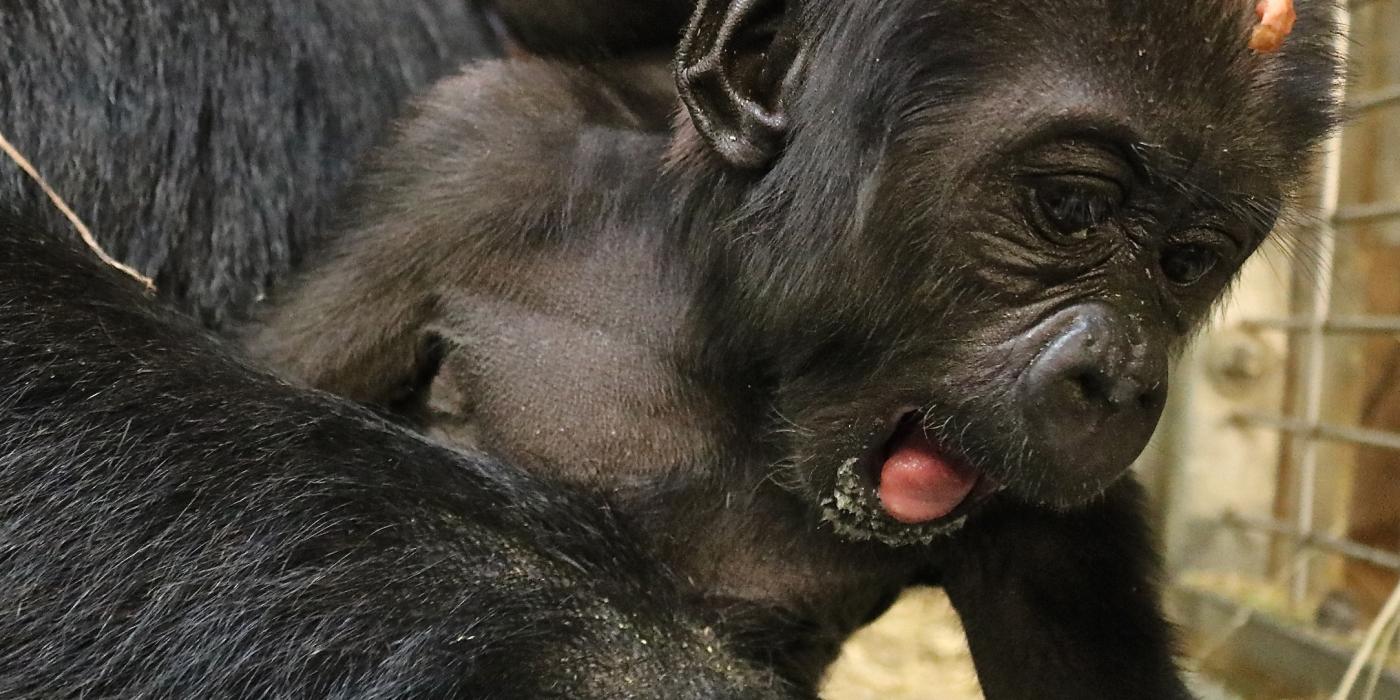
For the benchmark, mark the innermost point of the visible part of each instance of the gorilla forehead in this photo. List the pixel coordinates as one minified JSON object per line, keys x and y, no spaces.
{"x":1158,"y":64}
{"x":942,"y":87}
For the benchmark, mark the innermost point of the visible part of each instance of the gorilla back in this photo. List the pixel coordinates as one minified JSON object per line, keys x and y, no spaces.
{"x":176,"y":525}
{"x":891,"y":302}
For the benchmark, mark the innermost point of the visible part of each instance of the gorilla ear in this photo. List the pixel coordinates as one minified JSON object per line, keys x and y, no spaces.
{"x":731,"y":69}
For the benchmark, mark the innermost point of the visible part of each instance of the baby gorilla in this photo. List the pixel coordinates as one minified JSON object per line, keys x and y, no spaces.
{"x":890,"y":303}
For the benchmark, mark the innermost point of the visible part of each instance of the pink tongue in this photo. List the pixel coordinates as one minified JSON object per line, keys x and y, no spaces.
{"x":916,"y":485}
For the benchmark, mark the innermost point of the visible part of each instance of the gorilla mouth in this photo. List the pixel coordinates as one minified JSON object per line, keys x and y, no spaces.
{"x":909,"y":489}
{"x":918,"y":482}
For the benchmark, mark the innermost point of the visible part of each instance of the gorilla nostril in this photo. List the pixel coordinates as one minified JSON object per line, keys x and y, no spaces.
{"x":1150,"y":400}
{"x":1106,"y":394}
{"x":1091,"y":386}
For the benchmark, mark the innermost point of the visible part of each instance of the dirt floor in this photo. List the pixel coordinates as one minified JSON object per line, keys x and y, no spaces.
{"x":915,"y":652}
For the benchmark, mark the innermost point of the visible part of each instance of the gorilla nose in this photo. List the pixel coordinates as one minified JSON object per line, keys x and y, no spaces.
{"x":1092,"y":398}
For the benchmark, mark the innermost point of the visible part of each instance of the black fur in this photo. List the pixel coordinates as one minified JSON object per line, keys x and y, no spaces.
{"x":206,"y":143}
{"x":718,"y":320}
{"x":593,"y":29}
{"x":176,"y":525}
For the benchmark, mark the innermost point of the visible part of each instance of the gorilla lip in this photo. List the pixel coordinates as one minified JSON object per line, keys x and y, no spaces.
{"x":918,"y":482}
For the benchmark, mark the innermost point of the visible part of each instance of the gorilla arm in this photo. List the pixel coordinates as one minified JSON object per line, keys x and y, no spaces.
{"x":1064,"y":605}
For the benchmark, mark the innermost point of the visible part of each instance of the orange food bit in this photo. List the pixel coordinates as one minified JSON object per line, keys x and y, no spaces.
{"x":1276,"y":18}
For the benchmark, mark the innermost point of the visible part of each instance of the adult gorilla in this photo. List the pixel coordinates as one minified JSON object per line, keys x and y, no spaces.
{"x":205,"y":143}
{"x":174,"y":524}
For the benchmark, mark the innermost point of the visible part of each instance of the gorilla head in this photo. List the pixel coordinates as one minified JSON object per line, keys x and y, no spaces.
{"x":907,"y":254}
{"x":968,"y":237}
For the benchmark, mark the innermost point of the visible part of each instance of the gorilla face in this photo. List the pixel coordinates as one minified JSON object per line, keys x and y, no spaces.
{"x":986,"y":231}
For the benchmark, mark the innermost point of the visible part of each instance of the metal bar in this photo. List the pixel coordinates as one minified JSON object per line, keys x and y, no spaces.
{"x":1316,"y":540}
{"x":1315,"y":361}
{"x":1283,"y":651}
{"x":1381,"y":325}
{"x":1375,"y":99}
{"x":1360,"y":213}
{"x":1323,"y":431}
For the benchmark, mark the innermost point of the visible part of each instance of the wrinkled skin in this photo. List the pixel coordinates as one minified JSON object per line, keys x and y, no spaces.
{"x":870,"y":222}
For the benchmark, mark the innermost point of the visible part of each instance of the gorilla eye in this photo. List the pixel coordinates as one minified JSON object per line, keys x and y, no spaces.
{"x":1072,"y":205}
{"x":1187,"y":263}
